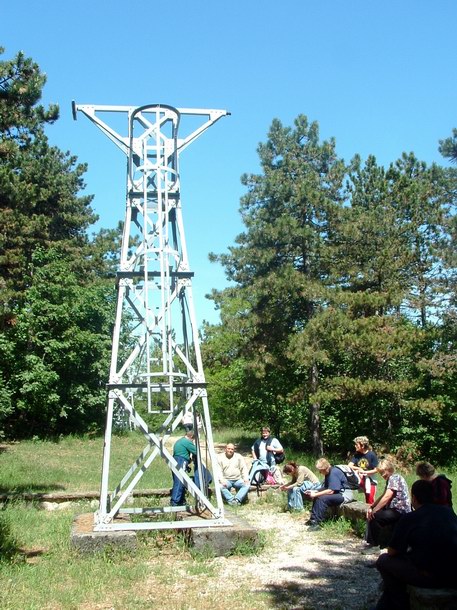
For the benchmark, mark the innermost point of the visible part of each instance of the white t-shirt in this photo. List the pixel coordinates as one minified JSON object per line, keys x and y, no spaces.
{"x":262,"y":448}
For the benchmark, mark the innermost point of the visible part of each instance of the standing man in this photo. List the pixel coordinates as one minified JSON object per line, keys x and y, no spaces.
{"x":183,"y":451}
{"x":233,"y":472}
{"x":364,"y":462}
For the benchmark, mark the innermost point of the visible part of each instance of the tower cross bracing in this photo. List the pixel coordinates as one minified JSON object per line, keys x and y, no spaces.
{"x":156,"y":373}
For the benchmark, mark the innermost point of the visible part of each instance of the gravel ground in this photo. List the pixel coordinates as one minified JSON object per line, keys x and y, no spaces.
{"x":304,"y":570}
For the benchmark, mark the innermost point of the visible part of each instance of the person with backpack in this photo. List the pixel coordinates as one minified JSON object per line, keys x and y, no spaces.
{"x":330,"y":494}
{"x":440,"y":483}
{"x":268,"y":451}
{"x":364,"y":462}
{"x":302,"y":480}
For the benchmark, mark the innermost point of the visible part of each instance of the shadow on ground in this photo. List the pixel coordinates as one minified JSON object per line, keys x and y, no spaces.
{"x":30,"y":488}
{"x":323,"y":584}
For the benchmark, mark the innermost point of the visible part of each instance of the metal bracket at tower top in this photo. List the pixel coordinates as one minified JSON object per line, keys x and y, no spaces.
{"x":91,"y":110}
{"x":156,"y":365}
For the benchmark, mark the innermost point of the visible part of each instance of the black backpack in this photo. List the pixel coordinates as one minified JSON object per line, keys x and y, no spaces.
{"x":352,"y":478}
{"x":279,"y":457}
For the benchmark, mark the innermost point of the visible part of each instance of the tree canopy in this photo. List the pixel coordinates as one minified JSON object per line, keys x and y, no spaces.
{"x":55,"y":305}
{"x":342,"y":298}
{"x":340,"y":317}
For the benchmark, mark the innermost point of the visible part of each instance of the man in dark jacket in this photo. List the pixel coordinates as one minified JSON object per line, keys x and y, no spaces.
{"x":422,"y":552}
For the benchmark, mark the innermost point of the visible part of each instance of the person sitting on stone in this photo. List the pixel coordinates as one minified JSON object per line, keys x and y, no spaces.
{"x":422,"y":551}
{"x":268,"y":449}
{"x":233,"y":472}
{"x":441,"y":484}
{"x":302,"y":480}
{"x":364,"y":462}
{"x":329,"y":494}
{"x":386,"y":510}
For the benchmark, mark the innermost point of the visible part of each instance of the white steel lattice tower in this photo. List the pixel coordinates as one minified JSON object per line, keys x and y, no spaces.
{"x":156,"y":371}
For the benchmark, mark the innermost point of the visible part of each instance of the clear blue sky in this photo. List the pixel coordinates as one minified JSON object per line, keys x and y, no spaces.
{"x":378,"y":76}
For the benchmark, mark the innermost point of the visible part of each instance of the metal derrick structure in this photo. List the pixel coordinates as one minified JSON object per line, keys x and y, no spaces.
{"x":156,"y":360}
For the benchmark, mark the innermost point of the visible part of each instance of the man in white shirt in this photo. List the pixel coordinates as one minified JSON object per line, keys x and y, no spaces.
{"x":233,"y":472}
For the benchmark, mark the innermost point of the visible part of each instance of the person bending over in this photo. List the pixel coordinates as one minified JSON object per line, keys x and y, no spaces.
{"x":183,"y":450}
{"x":330,"y":494}
{"x":303,"y":479}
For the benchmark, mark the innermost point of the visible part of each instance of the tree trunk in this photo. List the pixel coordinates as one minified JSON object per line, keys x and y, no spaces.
{"x":318,"y":448}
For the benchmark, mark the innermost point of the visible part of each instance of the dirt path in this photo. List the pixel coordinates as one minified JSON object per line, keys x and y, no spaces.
{"x":300,"y":569}
{"x":305,"y":570}
{"x":297,"y":569}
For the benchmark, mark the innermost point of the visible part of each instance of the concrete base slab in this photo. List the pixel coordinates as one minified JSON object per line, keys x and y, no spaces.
{"x":85,"y":540}
{"x":224,"y":540}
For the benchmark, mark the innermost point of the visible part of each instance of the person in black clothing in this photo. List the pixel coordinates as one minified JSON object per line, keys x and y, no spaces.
{"x":365,"y":462}
{"x":422,"y":551}
{"x":441,"y":484}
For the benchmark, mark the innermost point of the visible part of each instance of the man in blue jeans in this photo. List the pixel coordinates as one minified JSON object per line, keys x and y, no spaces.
{"x":183,"y":450}
{"x":233,"y":472}
{"x":331,"y":493}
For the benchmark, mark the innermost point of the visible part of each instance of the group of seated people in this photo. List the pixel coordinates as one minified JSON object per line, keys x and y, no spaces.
{"x":420,"y":532}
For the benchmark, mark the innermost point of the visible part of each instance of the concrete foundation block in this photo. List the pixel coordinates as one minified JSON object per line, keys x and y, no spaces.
{"x":224,"y":540}
{"x":85,"y":540}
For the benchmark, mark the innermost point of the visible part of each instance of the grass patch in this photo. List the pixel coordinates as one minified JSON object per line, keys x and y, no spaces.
{"x":39,"y":570}
{"x":74,"y":464}
{"x":247,"y":548}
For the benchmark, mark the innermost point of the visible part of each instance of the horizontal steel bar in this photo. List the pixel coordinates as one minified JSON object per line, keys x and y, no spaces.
{"x":159,"y":386}
{"x":162,"y":525}
{"x":178,"y":274}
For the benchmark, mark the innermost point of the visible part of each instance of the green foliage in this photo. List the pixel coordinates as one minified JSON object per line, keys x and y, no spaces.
{"x":21,"y":84}
{"x":342,"y":303}
{"x":56,"y":307}
{"x":61,"y":351}
{"x":448,"y":147}
{"x":8,"y":544}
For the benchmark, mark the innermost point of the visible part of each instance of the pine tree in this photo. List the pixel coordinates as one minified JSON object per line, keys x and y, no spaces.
{"x":281,"y":264}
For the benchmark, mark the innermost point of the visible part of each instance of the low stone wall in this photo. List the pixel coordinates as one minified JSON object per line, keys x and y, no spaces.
{"x":353,"y":511}
{"x":432,"y":599}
